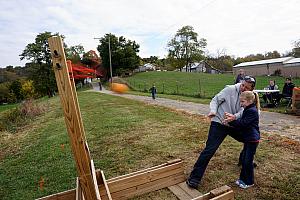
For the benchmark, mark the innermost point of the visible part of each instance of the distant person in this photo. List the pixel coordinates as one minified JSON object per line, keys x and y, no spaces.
{"x":240,"y":77}
{"x":226,"y":101}
{"x":271,"y":97}
{"x":153,"y":91}
{"x":248,"y":125}
{"x":100,"y":85}
{"x":288,"y":87}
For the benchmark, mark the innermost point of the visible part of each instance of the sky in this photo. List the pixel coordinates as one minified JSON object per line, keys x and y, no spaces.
{"x":236,"y":27}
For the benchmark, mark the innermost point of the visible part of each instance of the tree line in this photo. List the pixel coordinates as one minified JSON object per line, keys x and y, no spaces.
{"x":37,"y":79}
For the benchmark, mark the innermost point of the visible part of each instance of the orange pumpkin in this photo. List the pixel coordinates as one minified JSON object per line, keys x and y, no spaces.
{"x":119,"y":88}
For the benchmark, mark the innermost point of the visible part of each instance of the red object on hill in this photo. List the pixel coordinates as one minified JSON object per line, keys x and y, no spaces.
{"x":82,"y":71}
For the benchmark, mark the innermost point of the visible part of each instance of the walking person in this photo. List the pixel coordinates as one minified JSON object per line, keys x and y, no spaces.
{"x":248,"y":125}
{"x":240,"y":77}
{"x":100,"y":85}
{"x":225,"y":101}
{"x":153,"y":91}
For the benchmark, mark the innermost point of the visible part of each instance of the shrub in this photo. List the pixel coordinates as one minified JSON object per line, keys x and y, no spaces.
{"x":20,"y":116}
{"x":27,"y":89}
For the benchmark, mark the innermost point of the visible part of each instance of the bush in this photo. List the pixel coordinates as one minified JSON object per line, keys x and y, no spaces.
{"x":18,"y":117}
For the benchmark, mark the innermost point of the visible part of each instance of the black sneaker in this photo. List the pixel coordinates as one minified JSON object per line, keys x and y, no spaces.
{"x":191,"y":184}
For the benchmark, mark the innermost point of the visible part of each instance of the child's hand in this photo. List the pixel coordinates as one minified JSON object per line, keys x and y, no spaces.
{"x":228,"y":117}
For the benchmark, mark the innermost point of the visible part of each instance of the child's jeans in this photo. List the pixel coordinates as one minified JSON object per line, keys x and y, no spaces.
{"x":247,"y":172}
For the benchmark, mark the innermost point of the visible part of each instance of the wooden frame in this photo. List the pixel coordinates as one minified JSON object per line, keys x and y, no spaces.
{"x":90,"y":183}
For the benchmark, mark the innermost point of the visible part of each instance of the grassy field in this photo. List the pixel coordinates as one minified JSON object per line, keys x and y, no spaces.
{"x":192,"y":84}
{"x":7,"y":107}
{"x":126,"y":136}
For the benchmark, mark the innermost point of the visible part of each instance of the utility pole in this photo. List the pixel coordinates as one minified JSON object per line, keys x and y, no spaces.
{"x":109,"y":53}
{"x":110,"y":67}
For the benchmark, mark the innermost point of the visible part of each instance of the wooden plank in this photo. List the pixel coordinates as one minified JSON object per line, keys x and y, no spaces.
{"x":107,"y":192}
{"x":72,"y":118}
{"x":180,"y":193}
{"x":147,"y":187}
{"x":192,"y":192}
{"x":223,"y":193}
{"x":161,"y":170}
{"x":66,"y":195}
{"x":145,"y":177}
{"x":95,"y":179}
{"x":226,"y":196}
{"x":144,"y":170}
{"x":220,"y":190}
{"x":78,"y":190}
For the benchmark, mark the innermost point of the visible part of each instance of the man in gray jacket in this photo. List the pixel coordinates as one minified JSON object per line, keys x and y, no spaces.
{"x":225,"y":101}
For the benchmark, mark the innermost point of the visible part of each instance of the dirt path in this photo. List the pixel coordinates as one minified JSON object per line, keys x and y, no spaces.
{"x":282,"y":124}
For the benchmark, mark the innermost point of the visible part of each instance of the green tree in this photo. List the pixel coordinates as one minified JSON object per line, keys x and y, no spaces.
{"x":123,"y":53}
{"x":186,"y":48}
{"x":74,"y":53}
{"x":4,"y":93}
{"x":16,"y":88}
{"x":296,"y":49}
{"x":40,"y":66}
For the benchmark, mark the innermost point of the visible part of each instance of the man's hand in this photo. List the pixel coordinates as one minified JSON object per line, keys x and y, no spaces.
{"x":228,"y":117}
{"x":211,"y":115}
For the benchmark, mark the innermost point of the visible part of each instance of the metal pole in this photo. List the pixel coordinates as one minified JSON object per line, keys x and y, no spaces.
{"x":109,"y":53}
{"x":110,"y":67}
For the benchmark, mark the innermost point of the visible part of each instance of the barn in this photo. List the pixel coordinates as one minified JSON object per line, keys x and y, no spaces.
{"x":285,"y":66}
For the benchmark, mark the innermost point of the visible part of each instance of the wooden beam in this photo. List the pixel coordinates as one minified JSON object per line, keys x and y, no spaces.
{"x":129,"y":185}
{"x":182,"y":191}
{"x":73,"y":119}
{"x":145,"y":177}
{"x":226,"y":196}
{"x":147,"y":187}
{"x":79,"y":195}
{"x":221,"y":193}
{"x":105,"y":186}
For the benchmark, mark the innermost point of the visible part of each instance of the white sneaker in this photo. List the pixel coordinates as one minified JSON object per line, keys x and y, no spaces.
{"x":243,"y":185}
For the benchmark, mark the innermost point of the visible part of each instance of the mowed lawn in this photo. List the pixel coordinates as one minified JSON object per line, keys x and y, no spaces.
{"x":125,"y":136}
{"x":193,"y":84}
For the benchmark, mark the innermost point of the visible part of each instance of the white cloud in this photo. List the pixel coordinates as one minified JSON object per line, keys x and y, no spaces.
{"x":241,"y":27}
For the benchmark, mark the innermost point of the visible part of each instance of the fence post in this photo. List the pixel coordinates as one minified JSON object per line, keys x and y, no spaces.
{"x":177,"y":86}
{"x":199,"y":87}
{"x":163,"y":90}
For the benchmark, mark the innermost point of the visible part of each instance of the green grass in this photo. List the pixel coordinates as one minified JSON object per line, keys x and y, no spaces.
{"x":174,"y":97}
{"x":192,"y":84}
{"x":7,"y":107}
{"x":126,"y":136}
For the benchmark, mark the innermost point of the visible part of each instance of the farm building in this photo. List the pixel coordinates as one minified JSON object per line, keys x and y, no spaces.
{"x":201,"y":66}
{"x":145,"y":67}
{"x":286,"y":66}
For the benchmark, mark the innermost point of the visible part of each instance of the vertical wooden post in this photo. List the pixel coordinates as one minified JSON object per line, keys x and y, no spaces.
{"x":73,"y":119}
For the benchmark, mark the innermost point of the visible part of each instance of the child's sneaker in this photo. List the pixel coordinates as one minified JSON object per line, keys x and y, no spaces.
{"x":243,"y":185}
{"x":237,"y":182}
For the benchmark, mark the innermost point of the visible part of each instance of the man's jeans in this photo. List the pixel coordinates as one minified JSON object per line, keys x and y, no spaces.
{"x":247,"y":172}
{"x":216,"y":135}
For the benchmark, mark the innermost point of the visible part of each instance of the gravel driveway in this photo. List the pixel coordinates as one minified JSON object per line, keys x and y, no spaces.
{"x":282,"y":124}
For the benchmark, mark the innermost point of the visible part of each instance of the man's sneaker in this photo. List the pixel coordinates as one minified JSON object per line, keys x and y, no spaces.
{"x":191,"y":184}
{"x":243,"y":185}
